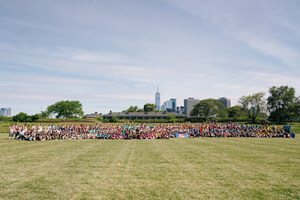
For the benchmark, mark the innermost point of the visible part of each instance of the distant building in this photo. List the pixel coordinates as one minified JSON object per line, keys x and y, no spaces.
{"x":2,"y":112}
{"x":180,"y":109}
{"x":169,"y":106}
{"x":8,"y":112}
{"x":142,"y":115}
{"x":157,"y":99}
{"x":166,"y":105}
{"x":189,"y":105}
{"x":93,"y":115}
{"x":173,"y":103}
{"x":5,"y":112}
{"x":226,"y":102}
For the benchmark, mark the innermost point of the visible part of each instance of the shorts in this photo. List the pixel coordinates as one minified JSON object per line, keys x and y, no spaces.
{"x":12,"y":133}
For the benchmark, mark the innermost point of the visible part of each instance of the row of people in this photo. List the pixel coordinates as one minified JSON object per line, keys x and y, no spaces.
{"x":145,"y":131}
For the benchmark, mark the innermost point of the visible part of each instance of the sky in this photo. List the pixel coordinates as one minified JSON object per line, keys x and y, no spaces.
{"x":111,"y":54}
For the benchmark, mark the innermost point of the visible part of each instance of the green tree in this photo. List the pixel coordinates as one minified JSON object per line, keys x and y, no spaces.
{"x":66,"y":109}
{"x":208,"y":108}
{"x":99,"y":119}
{"x":236,"y":112}
{"x":114,"y":119}
{"x":295,"y":107}
{"x":280,"y":103}
{"x":253,"y":104}
{"x":149,"y":107}
{"x":35,"y":117}
{"x":21,"y":117}
{"x":45,"y":114}
{"x":132,"y":109}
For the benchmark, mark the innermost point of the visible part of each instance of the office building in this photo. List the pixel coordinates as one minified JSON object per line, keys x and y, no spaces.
{"x":180,"y":109}
{"x":169,"y":106}
{"x":226,"y":102}
{"x":8,"y":112}
{"x":189,"y":105}
{"x":173,"y":105}
{"x":3,"y":112}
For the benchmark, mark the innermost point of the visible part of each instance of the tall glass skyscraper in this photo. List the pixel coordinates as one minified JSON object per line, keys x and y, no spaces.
{"x":173,"y":101}
{"x":157,"y":99}
{"x":226,"y":102}
{"x":5,"y":112}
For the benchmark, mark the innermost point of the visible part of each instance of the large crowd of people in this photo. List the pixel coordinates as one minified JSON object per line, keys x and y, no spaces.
{"x":145,"y":131}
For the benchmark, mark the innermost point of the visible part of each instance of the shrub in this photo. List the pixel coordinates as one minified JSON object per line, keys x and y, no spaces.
{"x":171,"y":118}
{"x":21,"y":117}
{"x":114,"y":119}
{"x":99,"y":119}
{"x":5,"y":118}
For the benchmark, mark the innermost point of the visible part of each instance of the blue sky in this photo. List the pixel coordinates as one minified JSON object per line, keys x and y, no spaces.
{"x":111,"y":54}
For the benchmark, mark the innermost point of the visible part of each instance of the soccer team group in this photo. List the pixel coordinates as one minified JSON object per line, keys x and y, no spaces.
{"x":145,"y":131}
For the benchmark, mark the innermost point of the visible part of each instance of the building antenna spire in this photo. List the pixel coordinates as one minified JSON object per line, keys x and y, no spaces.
{"x":157,"y":87}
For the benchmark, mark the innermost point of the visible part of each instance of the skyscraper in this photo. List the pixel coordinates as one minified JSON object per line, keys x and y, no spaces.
{"x":8,"y":112}
{"x":157,"y":99}
{"x":169,"y":106}
{"x":189,"y":105}
{"x":226,"y":102}
{"x":173,"y":101}
{"x":5,"y":112}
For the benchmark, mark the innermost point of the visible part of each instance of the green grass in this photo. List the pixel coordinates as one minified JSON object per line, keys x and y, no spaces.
{"x":296,"y":127}
{"x":201,"y":168}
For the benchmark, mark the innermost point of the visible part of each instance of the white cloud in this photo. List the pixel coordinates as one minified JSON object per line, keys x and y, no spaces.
{"x":95,"y":57}
{"x":267,"y":46}
{"x":110,"y":55}
{"x":251,"y":23}
{"x":29,"y":96}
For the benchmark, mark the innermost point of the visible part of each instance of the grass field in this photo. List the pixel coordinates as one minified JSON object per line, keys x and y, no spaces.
{"x":201,"y":168}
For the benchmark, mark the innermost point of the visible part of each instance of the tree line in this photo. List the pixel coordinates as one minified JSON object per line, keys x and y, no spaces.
{"x":281,"y":105}
{"x":61,"y":109}
{"x":148,"y":107}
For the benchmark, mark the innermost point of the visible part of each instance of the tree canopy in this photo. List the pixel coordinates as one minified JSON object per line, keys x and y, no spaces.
{"x":295,"y":107}
{"x":66,"y":109}
{"x":149,"y":107}
{"x":134,"y":109}
{"x":280,"y":103}
{"x":208,"y":108}
{"x":23,"y":117}
{"x":254,"y":104}
{"x":236,"y":112}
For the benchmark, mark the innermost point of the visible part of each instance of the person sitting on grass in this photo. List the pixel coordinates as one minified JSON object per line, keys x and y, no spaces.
{"x":287,"y":128}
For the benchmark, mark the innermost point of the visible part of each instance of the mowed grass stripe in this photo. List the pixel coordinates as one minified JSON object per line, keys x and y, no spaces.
{"x":237,"y":163}
{"x":270,"y":143}
{"x":201,"y":168}
{"x":204,"y":172}
{"x":34,"y":167}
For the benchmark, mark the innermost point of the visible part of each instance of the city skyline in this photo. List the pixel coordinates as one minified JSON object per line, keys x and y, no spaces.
{"x":110,"y":54}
